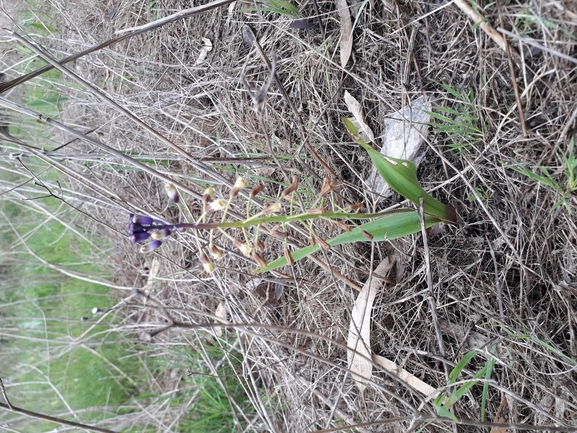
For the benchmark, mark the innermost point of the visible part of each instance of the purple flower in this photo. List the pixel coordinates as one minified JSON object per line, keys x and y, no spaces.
{"x":141,"y":219}
{"x":151,"y":246}
{"x":139,"y":236}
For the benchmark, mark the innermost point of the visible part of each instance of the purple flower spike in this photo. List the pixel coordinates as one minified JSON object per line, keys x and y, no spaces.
{"x":151,"y":246}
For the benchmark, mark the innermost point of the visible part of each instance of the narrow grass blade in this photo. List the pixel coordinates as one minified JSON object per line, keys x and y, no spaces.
{"x":392,"y":226}
{"x":401,"y":175}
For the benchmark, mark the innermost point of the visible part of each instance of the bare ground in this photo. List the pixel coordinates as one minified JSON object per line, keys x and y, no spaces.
{"x":504,"y":279}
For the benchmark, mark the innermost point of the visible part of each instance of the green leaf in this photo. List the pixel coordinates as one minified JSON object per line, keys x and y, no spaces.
{"x":441,"y":411}
{"x":454,"y":374}
{"x":392,"y":226}
{"x":401,"y":175}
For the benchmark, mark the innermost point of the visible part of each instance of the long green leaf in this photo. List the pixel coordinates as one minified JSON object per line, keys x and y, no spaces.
{"x":391,"y":226}
{"x":401,"y":175}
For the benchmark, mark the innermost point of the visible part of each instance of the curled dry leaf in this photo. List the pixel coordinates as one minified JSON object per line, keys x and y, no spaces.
{"x":359,"y":339}
{"x":356,"y":110}
{"x":346,"y":31}
{"x":221,"y":314}
{"x":402,"y":139}
{"x":204,"y":51}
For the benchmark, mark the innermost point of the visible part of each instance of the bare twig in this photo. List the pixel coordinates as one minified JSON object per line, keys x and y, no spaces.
{"x":431,"y":299}
{"x":513,"y":77}
{"x":45,"y":417}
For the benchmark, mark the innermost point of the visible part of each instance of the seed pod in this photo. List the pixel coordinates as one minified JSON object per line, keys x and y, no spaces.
{"x":243,"y":248}
{"x":343,"y":226}
{"x":172,"y":192}
{"x":216,"y":205}
{"x":291,"y":188}
{"x":257,"y":189}
{"x":260,"y":261}
{"x":208,"y":195}
{"x":239,"y":185}
{"x":356,"y":207}
{"x":323,"y":244}
{"x":367,"y":235}
{"x":328,"y":186}
{"x":272,"y":208}
{"x":208,"y":266}
{"x":215,"y":252}
{"x":259,"y":245}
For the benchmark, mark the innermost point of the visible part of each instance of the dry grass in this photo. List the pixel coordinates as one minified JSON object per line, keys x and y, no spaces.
{"x":505,"y":274}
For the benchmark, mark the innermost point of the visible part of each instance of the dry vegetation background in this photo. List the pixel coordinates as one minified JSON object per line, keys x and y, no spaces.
{"x":504,"y":279}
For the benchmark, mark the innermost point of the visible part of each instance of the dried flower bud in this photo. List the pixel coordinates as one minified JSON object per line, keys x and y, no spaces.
{"x":257,"y":189}
{"x":151,"y":246}
{"x":259,"y":245}
{"x":215,"y":252}
{"x":289,"y":258}
{"x":356,"y":207}
{"x":291,"y":188}
{"x":272,"y":208}
{"x":216,"y":205}
{"x":208,"y":266}
{"x":323,"y":244}
{"x":343,"y":226}
{"x":172,"y":192}
{"x":316,"y":211}
{"x":239,"y":185}
{"x":260,"y":261}
{"x":328,"y":186}
{"x":161,"y":233}
{"x":208,"y":195}
{"x":243,"y":248}
{"x":367,"y":235}
{"x":277,"y":233}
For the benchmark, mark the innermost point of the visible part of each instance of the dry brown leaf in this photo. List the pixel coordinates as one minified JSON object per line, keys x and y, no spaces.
{"x":346,"y":31}
{"x":356,"y":110}
{"x":424,"y":388}
{"x":359,"y":339}
{"x":221,"y":314}
{"x":500,"y":418}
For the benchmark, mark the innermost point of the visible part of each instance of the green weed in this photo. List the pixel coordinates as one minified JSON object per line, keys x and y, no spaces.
{"x":567,"y":188}
{"x":461,"y":125}
{"x":444,"y":402}
{"x":280,"y":7}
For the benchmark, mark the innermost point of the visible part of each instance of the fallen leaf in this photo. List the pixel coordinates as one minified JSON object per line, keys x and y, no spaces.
{"x":359,"y":339}
{"x":346,"y":31}
{"x":356,"y":110}
{"x":410,"y":379}
{"x":221,"y":314}
{"x":500,"y":418}
{"x":204,"y":51}
{"x":403,"y":137}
